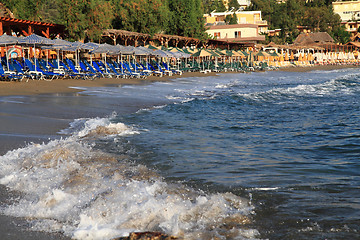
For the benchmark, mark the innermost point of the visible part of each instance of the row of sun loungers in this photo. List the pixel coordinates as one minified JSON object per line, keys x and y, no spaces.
{"x":40,"y":69}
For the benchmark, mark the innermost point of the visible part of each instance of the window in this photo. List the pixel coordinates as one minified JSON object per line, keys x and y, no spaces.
{"x":237,"y":34}
{"x":217,"y":35}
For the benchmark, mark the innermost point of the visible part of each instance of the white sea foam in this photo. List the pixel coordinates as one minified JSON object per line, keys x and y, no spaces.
{"x":68,"y":186}
{"x":331,"y":87}
{"x":149,"y":109}
{"x":98,"y":127}
{"x":266,"y":189}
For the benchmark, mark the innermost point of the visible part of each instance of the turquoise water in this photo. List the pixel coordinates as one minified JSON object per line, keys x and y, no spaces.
{"x":271,"y":155}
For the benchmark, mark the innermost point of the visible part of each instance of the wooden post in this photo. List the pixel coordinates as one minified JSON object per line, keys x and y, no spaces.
{"x":29,"y":30}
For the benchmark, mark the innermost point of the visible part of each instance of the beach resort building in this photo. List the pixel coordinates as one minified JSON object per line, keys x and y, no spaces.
{"x":249,"y":28}
{"x":349,"y":12}
{"x":236,"y":33}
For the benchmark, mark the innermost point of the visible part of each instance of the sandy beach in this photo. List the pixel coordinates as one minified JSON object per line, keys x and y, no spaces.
{"x":69,"y":85}
{"x":32,"y":87}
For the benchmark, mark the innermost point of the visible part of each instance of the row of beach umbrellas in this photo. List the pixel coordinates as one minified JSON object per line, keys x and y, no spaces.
{"x":37,"y":41}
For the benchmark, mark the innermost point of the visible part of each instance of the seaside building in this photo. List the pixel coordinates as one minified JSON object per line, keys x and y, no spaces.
{"x":236,"y":33}
{"x":249,"y":28}
{"x":349,"y":12}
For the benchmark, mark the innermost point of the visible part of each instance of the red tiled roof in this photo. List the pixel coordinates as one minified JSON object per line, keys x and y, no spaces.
{"x":17,"y":21}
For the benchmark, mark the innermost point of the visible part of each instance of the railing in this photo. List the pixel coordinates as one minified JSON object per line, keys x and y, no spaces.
{"x":261,"y":22}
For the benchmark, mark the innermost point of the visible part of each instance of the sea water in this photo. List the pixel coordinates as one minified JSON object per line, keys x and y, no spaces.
{"x":270,"y":155}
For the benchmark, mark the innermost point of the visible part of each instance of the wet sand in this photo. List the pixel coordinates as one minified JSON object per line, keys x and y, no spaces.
{"x":40,"y":119}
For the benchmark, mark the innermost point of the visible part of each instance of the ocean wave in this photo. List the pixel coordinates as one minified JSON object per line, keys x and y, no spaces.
{"x":96,"y":127}
{"x":345,"y":85}
{"x":70,"y":186}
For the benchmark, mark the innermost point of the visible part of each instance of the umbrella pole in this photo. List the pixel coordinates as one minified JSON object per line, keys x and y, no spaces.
{"x":7,"y":59}
{"x":105,"y":64}
{"x":35,"y":57}
{"x":122,"y":70}
{"x":58,"y":58}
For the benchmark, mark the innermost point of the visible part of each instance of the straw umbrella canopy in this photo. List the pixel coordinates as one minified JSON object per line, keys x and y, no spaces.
{"x":201,"y":53}
{"x":8,"y":40}
{"x":292,"y":55}
{"x":106,"y":49}
{"x":286,"y":58}
{"x":59,"y":44}
{"x":151,"y":47}
{"x":310,"y":57}
{"x":36,"y":41}
{"x":161,"y":53}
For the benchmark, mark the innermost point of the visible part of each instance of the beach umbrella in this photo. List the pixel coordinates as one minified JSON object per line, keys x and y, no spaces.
{"x":58,"y":45}
{"x":161,"y":53}
{"x":286,"y":56}
{"x":292,"y":55}
{"x":201,"y":53}
{"x":89,"y":46}
{"x":7,"y":40}
{"x":151,"y":47}
{"x":36,"y":41}
{"x":106,"y":49}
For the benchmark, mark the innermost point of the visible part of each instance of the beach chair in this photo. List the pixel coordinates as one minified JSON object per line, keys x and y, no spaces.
{"x":9,"y":76}
{"x":48,"y":74}
{"x":33,"y":71}
{"x":117,"y":74}
{"x":151,"y":67}
{"x":159,"y":68}
{"x":129,"y":71}
{"x":91,"y":69}
{"x":87,"y":70}
{"x":174,"y":71}
{"x":139,"y":69}
{"x":149,"y":71}
{"x":75,"y":71}
{"x":98,"y":70}
{"x":20,"y":70}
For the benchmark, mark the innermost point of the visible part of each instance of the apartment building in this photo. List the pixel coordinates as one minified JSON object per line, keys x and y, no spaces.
{"x":349,"y":12}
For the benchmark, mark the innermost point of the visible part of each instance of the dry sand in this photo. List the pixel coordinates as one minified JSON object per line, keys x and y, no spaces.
{"x":64,"y":85}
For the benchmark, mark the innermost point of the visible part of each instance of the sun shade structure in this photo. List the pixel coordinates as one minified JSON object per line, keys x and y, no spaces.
{"x":36,"y":41}
{"x":6,"y":40}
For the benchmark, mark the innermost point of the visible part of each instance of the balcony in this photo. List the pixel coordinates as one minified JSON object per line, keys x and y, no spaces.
{"x":262,"y":22}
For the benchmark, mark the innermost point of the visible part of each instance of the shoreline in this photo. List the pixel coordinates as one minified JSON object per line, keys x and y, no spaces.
{"x":57,"y":86}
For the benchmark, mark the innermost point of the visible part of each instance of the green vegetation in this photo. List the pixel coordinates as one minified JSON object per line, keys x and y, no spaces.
{"x":87,"y":18}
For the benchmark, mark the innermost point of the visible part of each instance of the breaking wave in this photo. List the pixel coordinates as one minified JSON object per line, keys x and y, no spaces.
{"x":71,"y":186}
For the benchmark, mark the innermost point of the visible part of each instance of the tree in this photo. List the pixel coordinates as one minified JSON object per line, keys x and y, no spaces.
{"x":145,"y":16}
{"x":341,"y":35}
{"x":234,"y":4}
{"x":25,"y":9}
{"x":219,"y":6}
{"x":85,"y":17}
{"x":186,"y":18}
{"x":231,"y":19}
